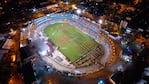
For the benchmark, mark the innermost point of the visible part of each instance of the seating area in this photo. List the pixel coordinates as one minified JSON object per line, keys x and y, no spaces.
{"x":90,"y":58}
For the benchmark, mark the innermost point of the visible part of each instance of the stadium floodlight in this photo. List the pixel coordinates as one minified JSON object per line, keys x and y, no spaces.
{"x":100,"y":21}
{"x":78,"y":11}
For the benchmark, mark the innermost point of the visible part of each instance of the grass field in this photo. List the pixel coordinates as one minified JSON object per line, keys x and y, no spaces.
{"x":71,"y":42}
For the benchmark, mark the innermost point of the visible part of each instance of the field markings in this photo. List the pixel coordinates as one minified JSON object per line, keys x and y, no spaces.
{"x":76,"y":39}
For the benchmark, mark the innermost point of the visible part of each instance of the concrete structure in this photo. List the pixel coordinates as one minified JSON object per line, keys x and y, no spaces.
{"x":110,"y":49}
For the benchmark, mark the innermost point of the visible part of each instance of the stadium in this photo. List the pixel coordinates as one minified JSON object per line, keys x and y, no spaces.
{"x":72,"y":44}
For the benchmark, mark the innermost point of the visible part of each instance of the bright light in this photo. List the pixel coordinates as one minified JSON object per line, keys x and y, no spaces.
{"x":100,"y":82}
{"x":74,"y":6}
{"x":77,"y":71}
{"x":13,"y":57}
{"x":21,"y":45}
{"x":128,"y":30}
{"x":127,"y":58}
{"x":78,"y":11}
{"x":42,"y":53}
{"x":34,"y":9}
{"x":69,"y":74}
{"x":48,"y":15}
{"x":83,"y":11}
{"x":93,"y":22}
{"x":100,"y":21}
{"x":23,"y":29}
{"x":66,"y":2}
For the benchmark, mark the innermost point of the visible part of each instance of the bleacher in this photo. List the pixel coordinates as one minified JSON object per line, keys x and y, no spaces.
{"x":82,"y":24}
{"x":40,"y":20}
{"x":60,"y":16}
{"x":91,"y":29}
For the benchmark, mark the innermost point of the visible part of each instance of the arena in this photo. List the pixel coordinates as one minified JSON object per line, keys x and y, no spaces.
{"x":72,"y":44}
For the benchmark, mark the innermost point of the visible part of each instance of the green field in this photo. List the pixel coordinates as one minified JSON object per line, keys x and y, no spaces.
{"x":70,"y":41}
